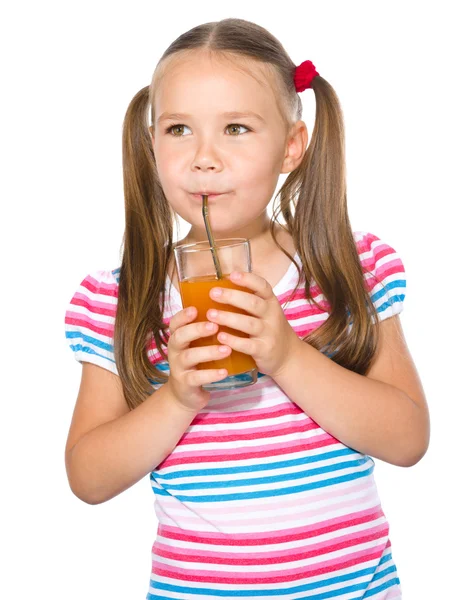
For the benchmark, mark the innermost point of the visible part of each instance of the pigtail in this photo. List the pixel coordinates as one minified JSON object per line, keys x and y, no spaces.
{"x":322,"y":234}
{"x":147,"y":247}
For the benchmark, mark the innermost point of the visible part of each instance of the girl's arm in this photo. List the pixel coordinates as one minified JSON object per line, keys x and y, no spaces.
{"x":383,"y":414}
{"x":115,"y":455}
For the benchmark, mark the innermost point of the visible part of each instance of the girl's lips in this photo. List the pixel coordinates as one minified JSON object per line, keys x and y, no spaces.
{"x":209,"y":196}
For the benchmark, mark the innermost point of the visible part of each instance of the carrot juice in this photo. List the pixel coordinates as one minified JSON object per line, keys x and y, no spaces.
{"x":195,"y":292}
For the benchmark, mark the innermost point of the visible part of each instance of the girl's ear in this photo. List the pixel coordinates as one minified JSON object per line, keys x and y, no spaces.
{"x":296,"y":147}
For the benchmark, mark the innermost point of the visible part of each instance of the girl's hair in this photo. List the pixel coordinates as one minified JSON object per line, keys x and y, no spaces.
{"x":320,"y":227}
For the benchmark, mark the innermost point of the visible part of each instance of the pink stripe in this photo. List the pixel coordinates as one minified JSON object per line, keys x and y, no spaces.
{"x":382,"y":250}
{"x":300,"y":292}
{"x":251,"y":433}
{"x":210,"y":456}
{"x":101,"y":308}
{"x":251,"y":414}
{"x":237,"y":399}
{"x":330,"y":566}
{"x":264,"y":432}
{"x":365,"y":243}
{"x":78,"y":320}
{"x":242,"y":415}
{"x":395,"y":266}
{"x":100,"y":287}
{"x":266,"y":558}
{"x":276,"y":537}
{"x":389,"y":268}
{"x":306,"y":312}
{"x":375,"y":254}
{"x":303,"y":330}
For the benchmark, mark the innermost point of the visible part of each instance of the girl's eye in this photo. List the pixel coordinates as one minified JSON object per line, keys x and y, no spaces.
{"x":171,"y":127}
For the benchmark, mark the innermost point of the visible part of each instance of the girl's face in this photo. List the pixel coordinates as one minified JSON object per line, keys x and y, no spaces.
{"x":206,"y":149}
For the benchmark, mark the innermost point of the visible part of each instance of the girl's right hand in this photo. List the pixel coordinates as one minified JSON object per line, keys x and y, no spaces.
{"x":185,"y":380}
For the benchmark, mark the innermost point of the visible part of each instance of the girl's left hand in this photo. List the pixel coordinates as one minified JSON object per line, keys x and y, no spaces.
{"x":272,"y":338}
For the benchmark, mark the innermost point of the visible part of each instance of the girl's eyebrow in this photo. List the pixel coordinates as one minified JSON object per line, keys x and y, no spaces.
{"x":231,"y":115}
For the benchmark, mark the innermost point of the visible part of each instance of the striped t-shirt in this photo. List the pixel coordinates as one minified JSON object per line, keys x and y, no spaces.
{"x":257,"y":501}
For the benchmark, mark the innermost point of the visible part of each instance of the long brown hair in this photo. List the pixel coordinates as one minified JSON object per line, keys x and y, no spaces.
{"x":316,"y":189}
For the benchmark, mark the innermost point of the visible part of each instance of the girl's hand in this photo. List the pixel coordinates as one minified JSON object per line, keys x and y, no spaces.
{"x":271,"y":336}
{"x":185,"y":380}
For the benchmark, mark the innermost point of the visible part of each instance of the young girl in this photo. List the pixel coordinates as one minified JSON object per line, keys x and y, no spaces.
{"x":265,"y":491}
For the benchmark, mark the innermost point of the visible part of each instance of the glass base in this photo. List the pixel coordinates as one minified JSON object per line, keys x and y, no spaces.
{"x":233,"y":382}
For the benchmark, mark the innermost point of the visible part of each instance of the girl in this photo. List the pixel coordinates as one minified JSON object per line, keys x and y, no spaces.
{"x":265,"y":491}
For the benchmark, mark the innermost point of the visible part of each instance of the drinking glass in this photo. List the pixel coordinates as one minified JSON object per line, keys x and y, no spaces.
{"x":197,"y":275}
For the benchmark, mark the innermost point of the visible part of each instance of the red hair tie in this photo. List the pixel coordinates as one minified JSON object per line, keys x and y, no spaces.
{"x":303,"y":75}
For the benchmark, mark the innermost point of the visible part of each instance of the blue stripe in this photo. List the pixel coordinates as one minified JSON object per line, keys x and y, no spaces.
{"x":386,"y":287}
{"x":260,"y":467}
{"x":381,"y":574}
{"x":390,"y":302}
{"x":79,"y":348}
{"x":88,"y":340}
{"x":266,"y":493}
{"x":214,"y":485}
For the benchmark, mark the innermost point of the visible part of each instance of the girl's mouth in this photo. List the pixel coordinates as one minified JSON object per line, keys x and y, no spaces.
{"x":209,"y":196}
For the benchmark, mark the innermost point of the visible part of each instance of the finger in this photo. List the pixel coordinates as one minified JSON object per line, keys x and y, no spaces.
{"x":246,"y":323}
{"x":248,"y":301}
{"x":253,"y":282}
{"x":245,"y":345}
{"x":197,"y":355}
{"x":203,"y":377}
{"x":193,"y":331}
{"x":181,"y":318}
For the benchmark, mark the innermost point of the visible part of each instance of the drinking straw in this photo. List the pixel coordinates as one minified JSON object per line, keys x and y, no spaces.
{"x":218,"y":269}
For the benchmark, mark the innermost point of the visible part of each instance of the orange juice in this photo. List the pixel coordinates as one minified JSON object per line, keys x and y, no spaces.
{"x":195,"y":292}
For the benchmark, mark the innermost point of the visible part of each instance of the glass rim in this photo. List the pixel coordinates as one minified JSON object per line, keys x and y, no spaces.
{"x":198,"y":246}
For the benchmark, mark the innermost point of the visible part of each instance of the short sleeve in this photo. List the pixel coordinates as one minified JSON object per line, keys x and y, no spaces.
{"x":90,"y":317}
{"x":384,"y":274}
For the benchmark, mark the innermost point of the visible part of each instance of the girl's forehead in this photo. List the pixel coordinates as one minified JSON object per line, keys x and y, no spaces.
{"x":204,"y":84}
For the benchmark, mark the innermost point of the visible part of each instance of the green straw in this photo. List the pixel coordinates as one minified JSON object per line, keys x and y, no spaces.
{"x":218,"y":270}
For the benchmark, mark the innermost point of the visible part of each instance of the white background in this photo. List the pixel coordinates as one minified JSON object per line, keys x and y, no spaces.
{"x":69,"y":71}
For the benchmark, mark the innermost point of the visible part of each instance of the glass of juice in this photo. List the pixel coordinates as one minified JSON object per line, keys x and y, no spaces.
{"x":197,"y":276}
